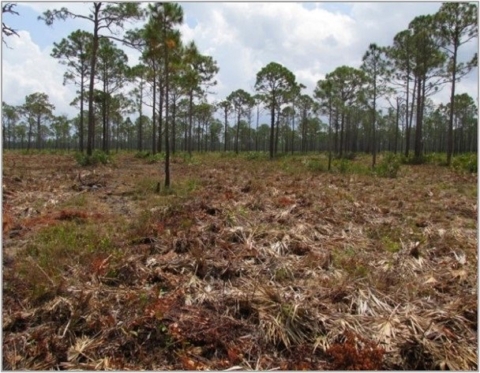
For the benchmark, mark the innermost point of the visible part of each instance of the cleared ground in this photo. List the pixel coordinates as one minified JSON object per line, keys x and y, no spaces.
{"x":244,"y":264}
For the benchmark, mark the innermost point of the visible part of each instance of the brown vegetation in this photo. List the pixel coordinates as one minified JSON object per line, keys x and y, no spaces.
{"x":243,"y":264}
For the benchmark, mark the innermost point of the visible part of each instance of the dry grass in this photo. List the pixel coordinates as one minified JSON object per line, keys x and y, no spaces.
{"x":244,"y":264}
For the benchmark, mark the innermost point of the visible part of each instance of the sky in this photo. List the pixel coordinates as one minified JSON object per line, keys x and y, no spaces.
{"x":311,"y":39}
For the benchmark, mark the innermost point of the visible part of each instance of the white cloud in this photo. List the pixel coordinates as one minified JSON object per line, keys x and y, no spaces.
{"x":75,"y":7}
{"x":26,"y":69}
{"x":244,"y":37}
{"x":311,"y":41}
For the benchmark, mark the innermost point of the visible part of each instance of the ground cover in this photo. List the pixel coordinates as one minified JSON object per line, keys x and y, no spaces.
{"x":244,"y":264}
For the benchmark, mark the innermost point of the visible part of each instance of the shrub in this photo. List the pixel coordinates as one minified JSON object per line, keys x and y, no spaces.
{"x":343,"y":165}
{"x":412,"y":160}
{"x":315,"y":165}
{"x":389,"y":166}
{"x":438,"y":159}
{"x":153,"y":158}
{"x":97,"y":157}
{"x":255,"y":155}
{"x":466,"y":162}
{"x":142,"y":155}
{"x":228,"y":154}
{"x":350,"y":156}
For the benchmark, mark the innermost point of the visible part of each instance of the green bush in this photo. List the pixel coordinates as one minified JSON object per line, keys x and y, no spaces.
{"x":349,"y":156}
{"x":97,"y":157}
{"x":437,"y":159}
{"x":466,"y":162}
{"x":314,"y":165}
{"x":228,"y":154}
{"x":251,"y":155}
{"x":389,"y":166}
{"x":142,"y":155}
{"x":343,"y":165}
{"x":412,"y":160}
{"x":154,"y":158}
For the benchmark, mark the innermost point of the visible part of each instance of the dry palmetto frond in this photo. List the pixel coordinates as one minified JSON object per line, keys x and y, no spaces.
{"x":80,"y":349}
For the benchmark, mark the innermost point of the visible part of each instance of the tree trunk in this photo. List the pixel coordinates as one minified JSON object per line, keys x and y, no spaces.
{"x":160,"y":116}
{"x":452,"y":108}
{"x":410,"y":121}
{"x":237,"y":132}
{"x":396,"y":126}
{"x":4,"y":137}
{"x":174,"y":124}
{"x":256,"y":132}
{"x":140,"y":121}
{"x":198,"y":135}
{"x":82,"y":89}
{"x":104,"y":116}
{"x":277,"y":132}
{"x":374,"y":132}
{"x":190,"y":123}
{"x":91,"y":114}
{"x":342,"y":125}
{"x":167,"y":140}
{"x":226,"y":130}
{"x":329,"y":135}
{"x":293,"y":129}
{"x":418,"y":130}
{"x":154,"y":114}
{"x":272,"y":129}
{"x":39,"y":134}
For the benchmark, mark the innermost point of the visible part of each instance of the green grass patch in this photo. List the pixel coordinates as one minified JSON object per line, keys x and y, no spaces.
{"x":67,"y":243}
{"x":145,"y":186}
{"x":315,"y":165}
{"x":56,"y":251}
{"x":437,"y":159}
{"x":390,"y":245}
{"x":79,"y":200}
{"x":97,"y":157}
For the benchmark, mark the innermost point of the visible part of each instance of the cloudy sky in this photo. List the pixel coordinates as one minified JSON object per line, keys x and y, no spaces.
{"x":311,"y":39}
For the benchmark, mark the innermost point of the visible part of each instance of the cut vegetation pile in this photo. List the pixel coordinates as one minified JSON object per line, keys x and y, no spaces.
{"x":244,"y":264}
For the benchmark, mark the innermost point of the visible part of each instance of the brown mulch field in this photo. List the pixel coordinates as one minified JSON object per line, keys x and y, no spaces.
{"x":244,"y":264}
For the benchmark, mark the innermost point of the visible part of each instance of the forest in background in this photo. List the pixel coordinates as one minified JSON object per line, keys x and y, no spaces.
{"x":160,"y":105}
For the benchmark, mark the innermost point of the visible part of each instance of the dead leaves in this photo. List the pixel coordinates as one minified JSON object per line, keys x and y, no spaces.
{"x":255,"y":269}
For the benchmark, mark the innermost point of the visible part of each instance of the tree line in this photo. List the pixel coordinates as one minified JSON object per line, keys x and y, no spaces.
{"x":385,"y":104}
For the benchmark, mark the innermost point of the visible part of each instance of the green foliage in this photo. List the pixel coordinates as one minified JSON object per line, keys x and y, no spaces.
{"x":342,"y":165}
{"x":56,"y":249}
{"x":142,"y":155}
{"x":437,"y":159}
{"x":228,"y":154}
{"x":390,"y":245}
{"x":67,"y":239}
{"x":350,"y":156}
{"x":466,"y":162}
{"x":154,"y":158}
{"x":78,"y":200}
{"x":412,"y":160}
{"x":283,"y":274}
{"x":255,"y":155}
{"x":96,"y":158}
{"x":144,"y":187}
{"x":314,"y":165}
{"x":389,"y":166}
{"x":274,"y":84}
